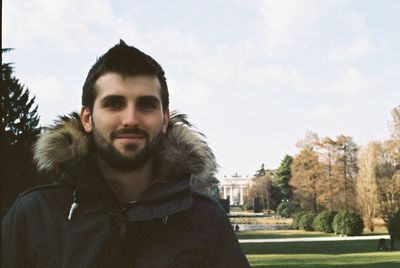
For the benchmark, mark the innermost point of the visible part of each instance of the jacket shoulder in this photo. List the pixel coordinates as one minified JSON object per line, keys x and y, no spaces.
{"x":206,"y":199}
{"x":39,"y":188}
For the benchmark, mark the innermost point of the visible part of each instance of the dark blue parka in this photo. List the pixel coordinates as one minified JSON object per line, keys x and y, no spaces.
{"x":78,"y":222}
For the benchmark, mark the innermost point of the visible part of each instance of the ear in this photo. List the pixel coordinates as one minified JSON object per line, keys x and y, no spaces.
{"x":167,"y":117}
{"x":86,"y":119}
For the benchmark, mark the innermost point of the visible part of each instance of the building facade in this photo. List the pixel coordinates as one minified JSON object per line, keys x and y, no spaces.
{"x":235,"y":188}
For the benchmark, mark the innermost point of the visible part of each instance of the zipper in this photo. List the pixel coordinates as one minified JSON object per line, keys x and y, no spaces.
{"x":74,"y":205}
{"x":117,"y":235}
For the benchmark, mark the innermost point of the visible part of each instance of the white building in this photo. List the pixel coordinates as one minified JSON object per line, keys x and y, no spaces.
{"x":235,"y":188}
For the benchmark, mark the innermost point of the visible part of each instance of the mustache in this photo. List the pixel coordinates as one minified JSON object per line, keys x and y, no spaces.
{"x":136,"y":131}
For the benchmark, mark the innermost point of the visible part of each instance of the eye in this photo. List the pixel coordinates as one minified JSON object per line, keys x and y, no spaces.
{"x":148,"y":104}
{"x":113,"y":104}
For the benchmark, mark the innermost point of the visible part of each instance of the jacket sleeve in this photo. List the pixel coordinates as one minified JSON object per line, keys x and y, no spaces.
{"x":226,"y":251}
{"x":14,"y":238}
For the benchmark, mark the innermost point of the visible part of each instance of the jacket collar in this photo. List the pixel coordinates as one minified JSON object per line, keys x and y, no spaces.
{"x":86,"y":177}
{"x":183,"y":151}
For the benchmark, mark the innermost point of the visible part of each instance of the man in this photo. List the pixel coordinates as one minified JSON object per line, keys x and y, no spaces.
{"x":123,"y":198}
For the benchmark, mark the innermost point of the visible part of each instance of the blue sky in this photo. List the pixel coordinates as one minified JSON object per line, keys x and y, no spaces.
{"x":253,"y":76}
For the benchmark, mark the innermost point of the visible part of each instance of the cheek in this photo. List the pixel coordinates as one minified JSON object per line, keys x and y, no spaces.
{"x":103,"y":125}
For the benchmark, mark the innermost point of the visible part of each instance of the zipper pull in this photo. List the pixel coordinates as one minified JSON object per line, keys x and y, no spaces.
{"x":164,"y":220}
{"x":74,"y":205}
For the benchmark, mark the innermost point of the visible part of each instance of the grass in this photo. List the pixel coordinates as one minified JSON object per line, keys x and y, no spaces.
{"x":377,"y":260}
{"x":315,"y":254}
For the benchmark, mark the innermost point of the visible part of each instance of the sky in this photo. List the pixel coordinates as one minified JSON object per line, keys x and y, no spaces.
{"x":253,"y":76}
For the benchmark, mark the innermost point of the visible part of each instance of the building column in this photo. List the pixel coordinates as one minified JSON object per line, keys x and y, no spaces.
{"x":241,"y":195}
{"x":224,"y":189}
{"x":231,"y":196}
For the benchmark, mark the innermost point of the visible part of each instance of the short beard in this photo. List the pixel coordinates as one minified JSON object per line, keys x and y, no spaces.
{"x":125,"y":163}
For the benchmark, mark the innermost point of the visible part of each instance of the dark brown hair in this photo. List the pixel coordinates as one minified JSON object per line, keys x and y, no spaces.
{"x":127,"y":61}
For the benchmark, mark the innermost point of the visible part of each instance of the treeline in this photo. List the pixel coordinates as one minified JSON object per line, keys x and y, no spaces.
{"x":19,"y":128}
{"x":336,"y":174}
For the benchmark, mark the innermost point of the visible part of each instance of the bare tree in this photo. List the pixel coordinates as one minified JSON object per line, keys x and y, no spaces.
{"x":327,"y":152}
{"x":261,"y":187}
{"x":388,"y":178}
{"x":366,"y":183}
{"x":346,"y":170}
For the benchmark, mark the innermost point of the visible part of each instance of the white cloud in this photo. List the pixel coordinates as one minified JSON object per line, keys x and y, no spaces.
{"x":271,"y":77}
{"x":286,"y":24}
{"x":322,"y":111}
{"x":351,"y":82}
{"x":66,"y":24}
{"x":191,"y":92}
{"x":360,"y":43}
{"x":45,"y":87}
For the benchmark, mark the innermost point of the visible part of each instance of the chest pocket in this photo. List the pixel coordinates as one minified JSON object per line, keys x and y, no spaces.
{"x":188,"y":262}
{"x":42,"y":261}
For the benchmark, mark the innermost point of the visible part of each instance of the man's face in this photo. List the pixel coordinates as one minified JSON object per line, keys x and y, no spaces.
{"x":127,"y":119}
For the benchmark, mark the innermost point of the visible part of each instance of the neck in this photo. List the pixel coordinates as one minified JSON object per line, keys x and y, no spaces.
{"x":128,"y":186}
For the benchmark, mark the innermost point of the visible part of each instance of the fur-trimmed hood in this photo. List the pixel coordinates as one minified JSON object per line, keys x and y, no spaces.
{"x":183,"y":150}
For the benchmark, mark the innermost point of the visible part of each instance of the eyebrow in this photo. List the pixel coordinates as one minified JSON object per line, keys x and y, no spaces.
{"x":111,"y":98}
{"x":150,"y":98}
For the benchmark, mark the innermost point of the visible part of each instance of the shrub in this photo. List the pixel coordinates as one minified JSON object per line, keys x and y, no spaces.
{"x":286,"y":209}
{"x":323,"y":221}
{"x":296,"y":220}
{"x":394,"y":226}
{"x":348,"y":223}
{"x":306,"y":221}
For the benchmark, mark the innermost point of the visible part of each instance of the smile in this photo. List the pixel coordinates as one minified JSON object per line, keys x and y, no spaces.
{"x":130,"y":137}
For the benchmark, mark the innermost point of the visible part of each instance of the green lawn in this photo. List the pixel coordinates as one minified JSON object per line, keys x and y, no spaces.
{"x":316,"y":254}
{"x":377,"y":260}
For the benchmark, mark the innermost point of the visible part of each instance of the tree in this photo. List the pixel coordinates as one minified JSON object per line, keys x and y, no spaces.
{"x":346,"y":169}
{"x":307,"y":175}
{"x":388,"y":178}
{"x":327,"y":153}
{"x":282,"y":178}
{"x":366,"y":183}
{"x":261,"y":187}
{"x":394,"y":228}
{"x":395,"y":124}
{"x":19,"y":127}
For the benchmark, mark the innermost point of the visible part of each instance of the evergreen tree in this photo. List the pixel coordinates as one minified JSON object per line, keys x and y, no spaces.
{"x":19,"y":127}
{"x":282,"y":177}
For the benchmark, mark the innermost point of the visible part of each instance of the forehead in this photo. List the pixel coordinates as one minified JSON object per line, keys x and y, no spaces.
{"x":127,"y":85}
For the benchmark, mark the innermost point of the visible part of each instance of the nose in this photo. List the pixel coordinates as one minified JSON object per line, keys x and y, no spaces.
{"x":130,"y":118}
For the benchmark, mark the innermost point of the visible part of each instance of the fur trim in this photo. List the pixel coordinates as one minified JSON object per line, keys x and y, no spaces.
{"x":183,"y":151}
{"x":60,"y":144}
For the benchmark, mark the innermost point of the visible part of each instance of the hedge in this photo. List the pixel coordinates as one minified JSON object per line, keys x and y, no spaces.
{"x":323,"y":221}
{"x":286,"y":209}
{"x":306,"y":221}
{"x":296,"y":220}
{"x":348,"y":223}
{"x":394,"y":226}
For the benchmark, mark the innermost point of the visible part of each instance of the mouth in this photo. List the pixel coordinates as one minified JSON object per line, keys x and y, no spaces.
{"x":129,"y":137}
